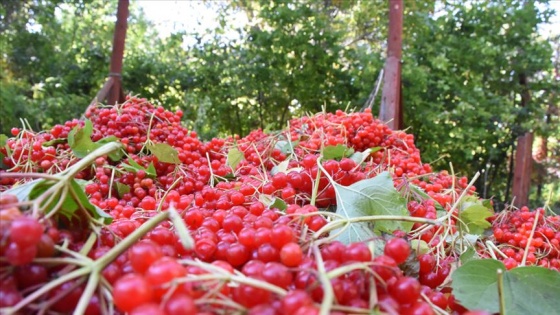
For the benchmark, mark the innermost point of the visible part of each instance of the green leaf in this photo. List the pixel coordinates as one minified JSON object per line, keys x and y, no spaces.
{"x":361,"y":157}
{"x":374,"y":196}
{"x":234,"y":157}
{"x":279,"y":204}
{"x":122,"y":189}
{"x":3,"y":139}
{"x":22,"y":191}
{"x":134,"y":167}
{"x":79,"y":140}
{"x":151,"y":170}
{"x":71,"y":203}
{"x":527,"y":290}
{"x":336,"y":152}
{"x":420,"y":246}
{"x":67,"y":207}
{"x":54,"y":142}
{"x":114,"y":156}
{"x":282,"y":167}
{"x":286,"y":147}
{"x":474,"y":217}
{"x":273,"y":202}
{"x":164,"y":153}
{"x":83,"y":199}
{"x":469,"y":255}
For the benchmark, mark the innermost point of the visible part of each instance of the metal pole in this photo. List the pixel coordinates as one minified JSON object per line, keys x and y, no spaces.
{"x":523,"y":156}
{"x":390,"y":110}
{"x":115,"y":95}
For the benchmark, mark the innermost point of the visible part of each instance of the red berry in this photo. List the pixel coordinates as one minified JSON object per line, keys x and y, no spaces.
{"x":130,"y":291}
{"x":25,"y":231}
{"x":398,"y":249}
{"x":291,"y":255}
{"x":144,"y":254}
{"x":405,"y":290}
{"x":180,"y":304}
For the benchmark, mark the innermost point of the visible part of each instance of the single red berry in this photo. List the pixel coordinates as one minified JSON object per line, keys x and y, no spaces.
{"x":405,"y":290}
{"x":130,"y":291}
{"x":398,"y":249}
{"x":25,"y":231}
{"x":291,"y":255}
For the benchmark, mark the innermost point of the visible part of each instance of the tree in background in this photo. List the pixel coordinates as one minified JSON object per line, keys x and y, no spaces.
{"x":55,"y":57}
{"x":461,"y":67}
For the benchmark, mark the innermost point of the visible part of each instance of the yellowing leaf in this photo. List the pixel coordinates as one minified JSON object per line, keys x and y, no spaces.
{"x":336,"y":152}
{"x":475,"y":218}
{"x":164,"y":153}
{"x":234,"y":157}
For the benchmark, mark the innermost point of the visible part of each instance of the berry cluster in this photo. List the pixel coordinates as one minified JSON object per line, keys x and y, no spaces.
{"x":528,"y":237}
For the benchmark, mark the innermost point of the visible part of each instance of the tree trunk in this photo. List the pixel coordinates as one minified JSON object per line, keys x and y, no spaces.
{"x":391,"y":106}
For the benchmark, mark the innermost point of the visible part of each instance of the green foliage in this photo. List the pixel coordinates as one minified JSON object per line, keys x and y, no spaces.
{"x":525,"y":289}
{"x":462,"y":66}
{"x":462,"y":83}
{"x":79,"y":140}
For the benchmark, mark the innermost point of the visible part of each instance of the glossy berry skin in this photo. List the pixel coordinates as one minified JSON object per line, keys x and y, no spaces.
{"x":405,"y":290}
{"x":180,"y":304}
{"x":291,"y":254}
{"x":130,"y":291}
{"x":144,"y":254}
{"x":25,"y":231}
{"x":398,"y":249}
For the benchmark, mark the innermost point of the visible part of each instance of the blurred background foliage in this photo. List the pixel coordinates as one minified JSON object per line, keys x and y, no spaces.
{"x":462,"y":63}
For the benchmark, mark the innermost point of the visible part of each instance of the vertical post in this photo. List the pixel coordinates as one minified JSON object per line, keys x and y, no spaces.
{"x":116,"y":95}
{"x":522,"y":170}
{"x":391,"y":106}
{"x":523,"y":156}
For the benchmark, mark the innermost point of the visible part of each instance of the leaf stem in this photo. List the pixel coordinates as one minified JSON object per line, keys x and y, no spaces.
{"x":91,"y":286}
{"x":328,"y":295}
{"x":500,"y":273}
{"x":132,"y":238}
{"x":90,"y":158}
{"x":316,"y":185}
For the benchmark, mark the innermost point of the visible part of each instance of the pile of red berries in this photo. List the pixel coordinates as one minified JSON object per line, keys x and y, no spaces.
{"x":528,"y":237}
{"x":254,"y":212}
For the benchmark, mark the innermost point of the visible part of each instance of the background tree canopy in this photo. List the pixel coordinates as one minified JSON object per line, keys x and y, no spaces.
{"x":462,"y":63}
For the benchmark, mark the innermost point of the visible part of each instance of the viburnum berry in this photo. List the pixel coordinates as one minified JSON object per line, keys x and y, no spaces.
{"x":19,"y":255}
{"x":143,"y":254}
{"x":398,"y":249}
{"x":405,"y":290}
{"x":291,"y":254}
{"x":147,"y":309}
{"x":295,"y":300}
{"x":180,"y":304}
{"x":130,"y":291}
{"x":25,"y":231}
{"x":357,"y":252}
{"x":148,"y":203}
